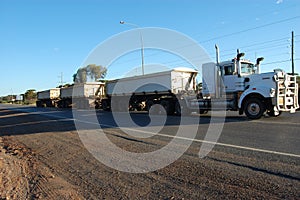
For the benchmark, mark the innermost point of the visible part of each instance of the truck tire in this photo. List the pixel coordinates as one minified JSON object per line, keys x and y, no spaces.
{"x":105,"y":105}
{"x":155,"y":108}
{"x":254,"y":108}
{"x":181,"y":109}
{"x":149,"y":103}
{"x":122,"y":106}
{"x":203,"y":111}
{"x":167,"y":106}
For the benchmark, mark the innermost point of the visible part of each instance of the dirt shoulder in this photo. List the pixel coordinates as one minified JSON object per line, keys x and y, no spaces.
{"x":15,"y":173}
{"x":23,"y":177}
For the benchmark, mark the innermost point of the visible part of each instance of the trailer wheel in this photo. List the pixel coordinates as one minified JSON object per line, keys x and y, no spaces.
{"x":181,"y":109}
{"x":38,"y":103}
{"x":122,"y":105}
{"x":168,"y":107}
{"x":254,"y":108}
{"x":203,"y":111}
{"x":105,"y":105}
{"x":149,"y":103}
{"x":155,"y":108}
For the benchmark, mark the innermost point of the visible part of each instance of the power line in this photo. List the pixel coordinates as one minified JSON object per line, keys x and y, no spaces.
{"x":258,"y":44}
{"x":281,"y":61}
{"x":235,"y":33}
{"x":250,"y":29}
{"x":238,"y":32}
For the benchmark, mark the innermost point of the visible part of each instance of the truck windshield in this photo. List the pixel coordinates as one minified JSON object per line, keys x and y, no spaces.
{"x":247,"y":68}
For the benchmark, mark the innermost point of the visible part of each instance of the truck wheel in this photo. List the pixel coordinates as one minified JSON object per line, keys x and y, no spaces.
{"x":181,"y":109}
{"x":254,"y":108}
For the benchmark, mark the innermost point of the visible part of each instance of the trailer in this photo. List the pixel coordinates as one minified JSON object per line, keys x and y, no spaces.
{"x":80,"y":95}
{"x":48,"y":98}
{"x":140,"y":93}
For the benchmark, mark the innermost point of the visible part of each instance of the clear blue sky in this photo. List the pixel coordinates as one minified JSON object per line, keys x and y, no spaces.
{"x":42,"y":38}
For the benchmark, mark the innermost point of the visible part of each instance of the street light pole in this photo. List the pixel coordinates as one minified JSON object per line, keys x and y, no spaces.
{"x":142,"y":43}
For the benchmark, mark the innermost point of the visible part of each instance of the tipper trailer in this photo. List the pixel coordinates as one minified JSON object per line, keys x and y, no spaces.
{"x":142,"y":92}
{"x":78,"y":95}
{"x":48,"y":98}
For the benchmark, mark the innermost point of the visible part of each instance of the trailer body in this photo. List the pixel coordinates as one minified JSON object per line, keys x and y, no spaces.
{"x":48,"y":98}
{"x":142,"y":92}
{"x":80,"y":95}
{"x":174,"y":81}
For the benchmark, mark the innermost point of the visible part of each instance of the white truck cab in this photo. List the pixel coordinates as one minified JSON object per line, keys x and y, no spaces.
{"x":240,"y":83}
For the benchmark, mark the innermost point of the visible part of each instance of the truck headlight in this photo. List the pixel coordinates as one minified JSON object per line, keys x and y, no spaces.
{"x":272,"y":92}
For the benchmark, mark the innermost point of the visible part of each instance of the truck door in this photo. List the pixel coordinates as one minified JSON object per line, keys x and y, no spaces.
{"x":228,"y":78}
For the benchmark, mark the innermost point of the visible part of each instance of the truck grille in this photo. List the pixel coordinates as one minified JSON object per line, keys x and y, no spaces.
{"x":287,"y":92}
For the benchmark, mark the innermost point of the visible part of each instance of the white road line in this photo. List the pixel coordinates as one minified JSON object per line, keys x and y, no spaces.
{"x":37,"y":122}
{"x":279,"y":123}
{"x":200,"y":141}
{"x":184,"y":138}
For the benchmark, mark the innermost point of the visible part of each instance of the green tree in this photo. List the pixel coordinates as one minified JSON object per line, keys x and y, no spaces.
{"x":91,"y":72}
{"x":30,"y":96}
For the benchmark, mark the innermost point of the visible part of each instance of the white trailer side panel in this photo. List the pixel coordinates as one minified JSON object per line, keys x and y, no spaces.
{"x":148,"y":83}
{"x":174,"y":80}
{"x":49,"y":94}
{"x":180,"y":81}
{"x":90,"y":89}
{"x":66,"y":92}
{"x":81,"y":90}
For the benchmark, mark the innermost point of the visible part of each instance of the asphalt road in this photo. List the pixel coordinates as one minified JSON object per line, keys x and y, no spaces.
{"x":248,"y":159}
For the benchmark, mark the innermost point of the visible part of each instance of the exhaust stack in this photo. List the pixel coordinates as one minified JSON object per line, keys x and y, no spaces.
{"x":217,"y":54}
{"x":258,"y":60}
{"x":238,"y":59}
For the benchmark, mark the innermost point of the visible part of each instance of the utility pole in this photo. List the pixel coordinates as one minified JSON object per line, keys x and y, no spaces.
{"x":292,"y":52}
{"x":142,"y":43}
{"x":61,"y":79}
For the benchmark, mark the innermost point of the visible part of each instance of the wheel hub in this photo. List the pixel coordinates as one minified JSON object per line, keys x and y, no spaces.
{"x":254,"y":109}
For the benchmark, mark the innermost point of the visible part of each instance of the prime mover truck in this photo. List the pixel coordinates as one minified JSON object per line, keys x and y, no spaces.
{"x":235,"y":85}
